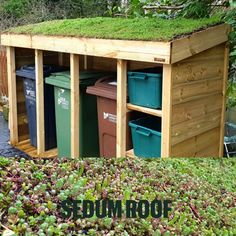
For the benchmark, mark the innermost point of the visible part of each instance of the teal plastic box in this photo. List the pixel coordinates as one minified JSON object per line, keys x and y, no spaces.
{"x":145,"y":88}
{"x":146,"y":137}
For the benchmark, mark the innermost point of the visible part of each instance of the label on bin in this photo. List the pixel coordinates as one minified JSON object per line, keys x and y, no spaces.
{"x":110,"y":117}
{"x":30,"y":96}
{"x":62,"y":101}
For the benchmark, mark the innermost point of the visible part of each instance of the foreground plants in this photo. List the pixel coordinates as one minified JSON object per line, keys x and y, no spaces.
{"x":202,"y":192}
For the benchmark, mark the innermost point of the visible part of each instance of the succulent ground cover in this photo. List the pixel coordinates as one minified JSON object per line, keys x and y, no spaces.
{"x":118,"y":28}
{"x":203,"y":192}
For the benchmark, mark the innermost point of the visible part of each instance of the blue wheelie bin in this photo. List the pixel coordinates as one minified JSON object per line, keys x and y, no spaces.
{"x":27,"y":73}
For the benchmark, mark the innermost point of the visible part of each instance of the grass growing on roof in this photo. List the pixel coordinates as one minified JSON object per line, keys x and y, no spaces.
{"x":118,"y":28}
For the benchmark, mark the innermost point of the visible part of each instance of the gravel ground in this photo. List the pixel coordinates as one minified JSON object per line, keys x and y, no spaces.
{"x":7,"y":150}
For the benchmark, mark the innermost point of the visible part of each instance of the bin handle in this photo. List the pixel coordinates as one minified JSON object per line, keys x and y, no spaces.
{"x":105,"y":78}
{"x":144,"y":132}
{"x":139,"y":77}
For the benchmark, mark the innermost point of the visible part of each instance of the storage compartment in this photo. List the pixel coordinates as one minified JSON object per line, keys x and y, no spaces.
{"x":145,"y":87}
{"x":27,"y":73}
{"x":106,"y":91}
{"x":89,"y":145}
{"x":146,"y":136}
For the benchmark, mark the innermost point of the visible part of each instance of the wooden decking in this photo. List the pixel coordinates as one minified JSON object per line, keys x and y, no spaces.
{"x":27,"y":148}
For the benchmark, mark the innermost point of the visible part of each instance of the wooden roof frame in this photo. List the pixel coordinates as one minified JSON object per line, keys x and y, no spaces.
{"x":146,"y":51}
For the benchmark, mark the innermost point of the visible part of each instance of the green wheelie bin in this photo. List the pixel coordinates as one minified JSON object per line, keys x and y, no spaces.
{"x":89,"y":141}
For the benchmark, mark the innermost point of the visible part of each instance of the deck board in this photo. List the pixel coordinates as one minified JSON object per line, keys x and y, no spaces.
{"x":27,"y":148}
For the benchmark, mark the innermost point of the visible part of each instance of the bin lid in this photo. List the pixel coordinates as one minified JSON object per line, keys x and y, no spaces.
{"x":62,"y":79}
{"x":154,"y":72}
{"x":105,"y":87}
{"x":28,"y":71}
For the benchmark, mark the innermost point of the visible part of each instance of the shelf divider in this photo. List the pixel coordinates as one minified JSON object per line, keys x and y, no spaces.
{"x":146,"y":110}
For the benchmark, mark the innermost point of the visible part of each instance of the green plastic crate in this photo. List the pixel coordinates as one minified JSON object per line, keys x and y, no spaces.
{"x":146,"y":137}
{"x":145,"y":88}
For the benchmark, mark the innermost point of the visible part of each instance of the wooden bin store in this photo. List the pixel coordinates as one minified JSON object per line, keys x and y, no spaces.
{"x":193,"y":94}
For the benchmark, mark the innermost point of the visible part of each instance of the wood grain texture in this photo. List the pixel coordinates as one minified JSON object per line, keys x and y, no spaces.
{"x":75,"y":104}
{"x":146,"y":110}
{"x":11,"y":75}
{"x":193,"y":109}
{"x":40,"y":101}
{"x":196,"y":90}
{"x":26,"y":147}
{"x":124,"y":49}
{"x":121,"y":108}
{"x":198,"y":42}
{"x":166,"y":138}
{"x":224,"y":90}
{"x":205,"y":65}
{"x":197,"y":103}
{"x":191,"y":128}
{"x":197,"y":145}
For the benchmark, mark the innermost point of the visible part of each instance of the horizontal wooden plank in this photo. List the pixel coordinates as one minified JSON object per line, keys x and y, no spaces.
{"x":27,"y":148}
{"x":191,"y":128}
{"x":205,"y":65}
{"x":211,"y":151}
{"x":195,"y":146}
{"x":158,"y":52}
{"x":196,"y":90}
{"x":190,"y":110}
{"x":146,"y":110}
{"x":200,"y":41}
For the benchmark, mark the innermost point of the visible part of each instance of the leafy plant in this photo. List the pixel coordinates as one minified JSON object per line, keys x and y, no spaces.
{"x":230,"y":18}
{"x":203,"y":199}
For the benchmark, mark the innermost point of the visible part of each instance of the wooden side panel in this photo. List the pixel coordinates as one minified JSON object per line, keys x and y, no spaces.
{"x":198,"y":42}
{"x":224,"y":89}
{"x":197,"y":104}
{"x":199,"y":145}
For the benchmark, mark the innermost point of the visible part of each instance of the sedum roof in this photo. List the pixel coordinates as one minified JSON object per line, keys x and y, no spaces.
{"x":146,"y":29}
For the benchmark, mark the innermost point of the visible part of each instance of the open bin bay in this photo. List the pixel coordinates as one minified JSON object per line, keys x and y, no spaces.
{"x":27,"y":73}
{"x":89,"y":144}
{"x":106,"y":91}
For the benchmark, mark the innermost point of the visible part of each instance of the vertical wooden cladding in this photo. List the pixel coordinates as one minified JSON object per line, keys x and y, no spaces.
{"x":39,"y":101}
{"x":197,"y":103}
{"x":121,"y":108}
{"x":225,"y":80}
{"x":13,"y":119}
{"x":75,"y":104}
{"x":166,"y":111}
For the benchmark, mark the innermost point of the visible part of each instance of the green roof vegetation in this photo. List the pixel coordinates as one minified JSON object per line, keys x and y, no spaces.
{"x":146,"y":29}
